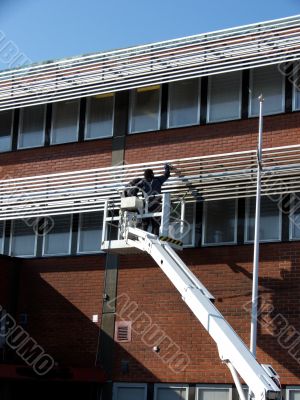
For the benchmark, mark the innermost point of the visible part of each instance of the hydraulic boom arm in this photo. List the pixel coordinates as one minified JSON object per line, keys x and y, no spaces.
{"x":232,"y":350}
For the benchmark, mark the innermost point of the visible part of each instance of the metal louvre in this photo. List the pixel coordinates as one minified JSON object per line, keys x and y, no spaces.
{"x":222,"y":51}
{"x":213,"y":177}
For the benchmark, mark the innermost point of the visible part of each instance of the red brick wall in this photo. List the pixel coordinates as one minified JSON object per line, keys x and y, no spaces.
{"x":55,"y":159}
{"x":280,"y":130}
{"x":60,"y":296}
{"x":226,"y":271}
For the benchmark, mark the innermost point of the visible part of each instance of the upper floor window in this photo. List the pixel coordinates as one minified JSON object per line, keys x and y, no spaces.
{"x":99,"y":116}
{"x":213,"y":392}
{"x":32,"y":127}
{"x":129,"y":391}
{"x":269,"y":82}
{"x":65,"y":120}
{"x":270,"y":219}
{"x":294,"y":217}
{"x":220,"y":222}
{"x":145,"y":109}
{"x":6,"y":122}
{"x":183,"y":107}
{"x":23,"y":239}
{"x":171,"y":392}
{"x":58,"y":240}
{"x":224,"y":97}
{"x":294,"y":78}
{"x":90,"y":232}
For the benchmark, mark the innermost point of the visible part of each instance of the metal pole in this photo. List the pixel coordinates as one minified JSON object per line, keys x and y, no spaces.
{"x":253,"y":334}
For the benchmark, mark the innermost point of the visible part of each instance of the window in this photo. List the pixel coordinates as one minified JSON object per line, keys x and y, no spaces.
{"x":99,"y":116}
{"x":292,"y":393}
{"x":220,"y":222}
{"x":90,"y":232}
{"x":208,"y":392}
{"x":65,"y":122}
{"x":269,"y":82}
{"x":171,"y":392}
{"x":224,"y":97}
{"x":2,"y":236}
{"x":6,"y":121}
{"x":182,"y":223}
{"x":129,"y":391}
{"x":295,"y":217}
{"x":58,"y":240}
{"x":145,"y":109}
{"x":23,"y":239}
{"x":184,"y":103}
{"x":270,"y":220}
{"x":32,"y":126}
{"x":295,"y":79}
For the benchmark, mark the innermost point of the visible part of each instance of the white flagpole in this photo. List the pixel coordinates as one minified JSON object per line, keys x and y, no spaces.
{"x":253,"y":334}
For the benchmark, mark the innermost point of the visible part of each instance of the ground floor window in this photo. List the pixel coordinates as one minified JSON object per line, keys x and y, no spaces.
{"x":292,"y":393}
{"x":211,"y":392}
{"x":171,"y":392}
{"x":130,"y":391}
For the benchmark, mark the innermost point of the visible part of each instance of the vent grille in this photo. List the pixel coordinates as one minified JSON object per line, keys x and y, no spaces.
{"x":123,"y":331}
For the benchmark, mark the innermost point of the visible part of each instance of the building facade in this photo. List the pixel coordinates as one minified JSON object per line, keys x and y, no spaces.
{"x":73,"y":132}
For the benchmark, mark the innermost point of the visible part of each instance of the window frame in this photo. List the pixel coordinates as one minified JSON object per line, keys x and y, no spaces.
{"x":209,"y":101}
{"x":216,"y":387}
{"x":78,"y":238}
{"x":21,"y":125}
{"x":131,"y":103}
{"x":87,"y":113}
{"x":250,"y":115}
{"x":246,"y":240}
{"x":11,"y":241}
{"x":11,"y":130}
{"x":117,"y":385}
{"x":198,"y":103}
{"x":70,"y":239}
{"x":289,"y":389}
{"x":293,"y":198}
{"x":204,"y":223}
{"x":52,"y":122}
{"x":170,"y":386}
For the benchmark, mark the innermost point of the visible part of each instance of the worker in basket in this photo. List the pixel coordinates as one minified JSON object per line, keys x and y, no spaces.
{"x":150,"y":186}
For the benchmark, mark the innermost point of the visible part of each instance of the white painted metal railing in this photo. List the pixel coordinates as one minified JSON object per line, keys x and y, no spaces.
{"x":213,"y":177}
{"x":249,"y":46}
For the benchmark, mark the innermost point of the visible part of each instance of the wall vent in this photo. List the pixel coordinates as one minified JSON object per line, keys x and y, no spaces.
{"x":123,"y":331}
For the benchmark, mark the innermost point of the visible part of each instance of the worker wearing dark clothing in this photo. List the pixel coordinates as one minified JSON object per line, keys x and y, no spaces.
{"x":150,"y":186}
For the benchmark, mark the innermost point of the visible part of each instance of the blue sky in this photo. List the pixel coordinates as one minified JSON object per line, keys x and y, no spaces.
{"x":51,"y":29}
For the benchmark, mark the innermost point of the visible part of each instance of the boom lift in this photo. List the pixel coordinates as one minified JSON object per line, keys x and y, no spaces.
{"x":261,"y":379}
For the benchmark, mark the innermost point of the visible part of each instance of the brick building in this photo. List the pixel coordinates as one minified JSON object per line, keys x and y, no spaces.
{"x":100,"y":317}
